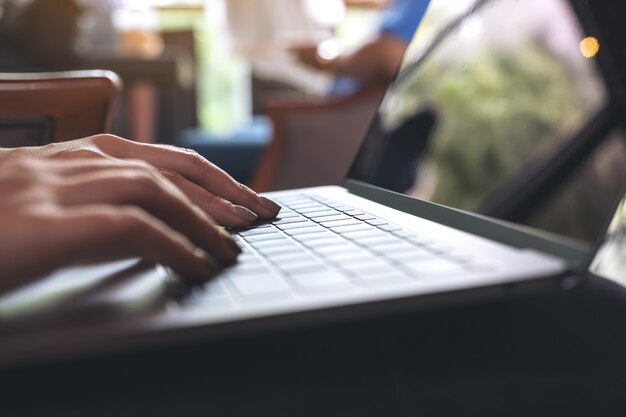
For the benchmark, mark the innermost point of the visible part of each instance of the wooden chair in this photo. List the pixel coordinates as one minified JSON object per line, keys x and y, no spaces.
{"x":39,"y":108}
{"x":314,"y":140}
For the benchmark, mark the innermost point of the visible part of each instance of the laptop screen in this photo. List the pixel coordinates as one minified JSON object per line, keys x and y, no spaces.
{"x":500,"y":108}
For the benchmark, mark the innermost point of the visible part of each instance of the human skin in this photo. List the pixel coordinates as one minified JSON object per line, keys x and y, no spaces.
{"x":104,"y":198}
{"x":376,"y":61}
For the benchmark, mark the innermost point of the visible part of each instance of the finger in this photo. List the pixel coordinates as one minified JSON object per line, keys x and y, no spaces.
{"x":155,"y":195}
{"x":57,"y":169}
{"x":83,"y":166}
{"x":103,"y":233}
{"x":195,"y":168}
{"x":221,"y":210}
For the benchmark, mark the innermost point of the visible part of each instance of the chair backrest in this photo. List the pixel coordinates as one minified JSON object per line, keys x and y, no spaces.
{"x":39,"y":108}
{"x":314,"y":140}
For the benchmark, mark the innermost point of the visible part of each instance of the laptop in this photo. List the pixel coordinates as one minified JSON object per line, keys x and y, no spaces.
{"x":492,"y":168}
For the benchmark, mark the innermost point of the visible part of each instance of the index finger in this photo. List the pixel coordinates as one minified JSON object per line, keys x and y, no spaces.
{"x":197,"y":169}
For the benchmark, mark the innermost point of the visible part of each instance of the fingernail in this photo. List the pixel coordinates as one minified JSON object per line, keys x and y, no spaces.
{"x":234,"y":246}
{"x":244,"y":213}
{"x":229,"y":240}
{"x":270,"y":205}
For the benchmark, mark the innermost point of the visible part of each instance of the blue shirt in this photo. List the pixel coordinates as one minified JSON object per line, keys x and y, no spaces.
{"x":402,"y":17}
{"x":399,"y":20}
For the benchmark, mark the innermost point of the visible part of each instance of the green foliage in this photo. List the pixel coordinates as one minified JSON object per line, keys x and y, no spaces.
{"x":500,"y":111}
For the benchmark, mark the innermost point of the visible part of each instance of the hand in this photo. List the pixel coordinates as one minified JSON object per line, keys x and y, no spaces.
{"x":309,"y":55}
{"x":306,"y":55}
{"x":214,"y":191}
{"x":56,"y":212}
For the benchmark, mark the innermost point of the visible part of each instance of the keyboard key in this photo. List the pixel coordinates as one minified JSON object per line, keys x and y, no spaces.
{"x":332,"y":249}
{"x":321,"y":213}
{"x":378,"y":240}
{"x":310,"y":264}
{"x":280,"y":247}
{"x":260,"y":285}
{"x":286,"y":220}
{"x":304,"y":230}
{"x":337,"y":223}
{"x":407,"y":234}
{"x":286,"y":213}
{"x":304,"y":206}
{"x":365,"y":234}
{"x":353,"y":212}
{"x":319,"y":279}
{"x":418,"y":240}
{"x":356,"y":260}
{"x":297,"y":225}
{"x":377,"y":222}
{"x":252,"y":232}
{"x":212,"y":295}
{"x":432,"y":268}
{"x":390,"y":227}
{"x":317,"y":208}
{"x":385,"y":279}
{"x":337,"y":206}
{"x":297,"y":204}
{"x":355,"y":228}
{"x":408,"y":257}
{"x":242,"y":269}
{"x":364,"y":216}
{"x":339,"y":255}
{"x":275,"y":250}
{"x":293,"y":259}
{"x":311,"y":237}
{"x":393,"y":247}
{"x":332,"y":217}
{"x":211,"y":289}
{"x":266,"y":236}
{"x":328,"y":239}
{"x":376,"y":270}
{"x":258,"y":244}
{"x":277,"y":257}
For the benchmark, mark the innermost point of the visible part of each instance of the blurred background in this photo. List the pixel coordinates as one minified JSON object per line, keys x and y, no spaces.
{"x":216,"y":58}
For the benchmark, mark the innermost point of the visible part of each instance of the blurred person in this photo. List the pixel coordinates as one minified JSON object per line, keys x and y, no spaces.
{"x":104,"y":198}
{"x":377,"y":60}
{"x":239,"y":152}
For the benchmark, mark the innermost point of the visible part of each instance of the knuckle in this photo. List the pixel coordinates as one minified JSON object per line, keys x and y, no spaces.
{"x":109,"y":143}
{"x":141,"y":164}
{"x":194,"y":158}
{"x":144,"y":181}
{"x":83,"y":153}
{"x":173,"y":177}
{"x":130,"y":220}
{"x":105,"y":138}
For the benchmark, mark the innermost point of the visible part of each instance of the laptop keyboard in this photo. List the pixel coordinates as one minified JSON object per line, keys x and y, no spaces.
{"x":318,"y":245}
